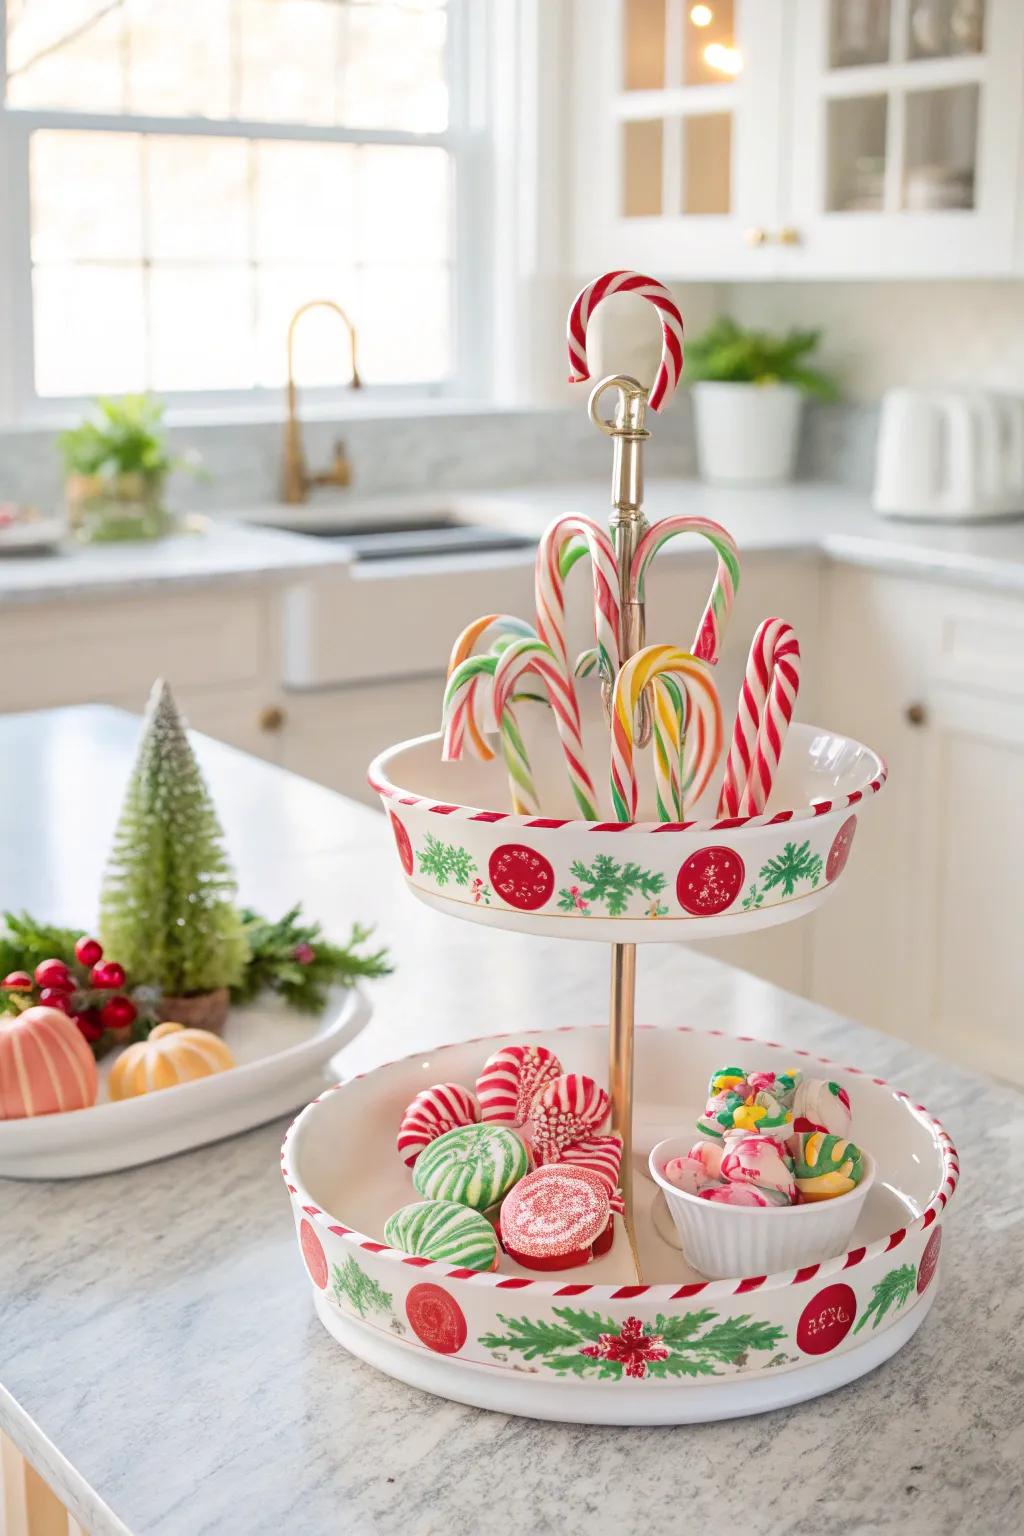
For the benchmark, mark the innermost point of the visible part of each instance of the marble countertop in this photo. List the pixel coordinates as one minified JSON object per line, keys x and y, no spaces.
{"x":159,"y":1356}
{"x":207,"y":552}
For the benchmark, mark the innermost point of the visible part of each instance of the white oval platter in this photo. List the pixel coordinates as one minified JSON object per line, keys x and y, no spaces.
{"x":280,"y":1055}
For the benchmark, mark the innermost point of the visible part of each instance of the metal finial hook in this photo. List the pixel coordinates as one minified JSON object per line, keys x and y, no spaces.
{"x":629,"y":410}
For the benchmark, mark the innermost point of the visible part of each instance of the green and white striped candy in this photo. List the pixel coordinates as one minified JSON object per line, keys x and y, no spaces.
{"x":473,"y":1165}
{"x":442,"y":1230}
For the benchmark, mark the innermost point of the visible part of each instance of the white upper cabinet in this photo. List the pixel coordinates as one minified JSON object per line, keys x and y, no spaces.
{"x":798,"y":138}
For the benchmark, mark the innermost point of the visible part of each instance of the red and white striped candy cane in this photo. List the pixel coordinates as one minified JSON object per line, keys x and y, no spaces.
{"x":587,"y":300}
{"x":765,"y":708}
{"x":703,"y":719}
{"x":549,"y":588}
{"x":707,"y":643}
{"x":534,"y":656}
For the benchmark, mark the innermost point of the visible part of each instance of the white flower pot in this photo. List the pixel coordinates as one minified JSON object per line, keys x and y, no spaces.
{"x":747,"y":434}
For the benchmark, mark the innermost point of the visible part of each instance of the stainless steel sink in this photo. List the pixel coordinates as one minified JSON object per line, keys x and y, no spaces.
{"x":421,"y":536}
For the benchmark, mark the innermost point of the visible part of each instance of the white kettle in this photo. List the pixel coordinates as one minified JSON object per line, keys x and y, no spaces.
{"x":954,"y":454}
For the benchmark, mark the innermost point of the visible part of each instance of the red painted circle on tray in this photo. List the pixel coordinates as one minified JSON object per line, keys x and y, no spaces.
{"x":709,"y":881}
{"x":826,"y":1320}
{"x":436,"y":1319}
{"x":313,"y":1254}
{"x":840,"y":850}
{"x":929,"y":1262}
{"x":521,"y":876}
{"x":403,"y":843}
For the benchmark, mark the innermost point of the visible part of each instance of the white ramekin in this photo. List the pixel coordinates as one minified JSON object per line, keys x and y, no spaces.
{"x":722,"y":1241}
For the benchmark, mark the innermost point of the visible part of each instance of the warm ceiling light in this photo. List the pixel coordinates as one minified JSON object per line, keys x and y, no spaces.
{"x":728,"y":61}
{"x":702,"y":15}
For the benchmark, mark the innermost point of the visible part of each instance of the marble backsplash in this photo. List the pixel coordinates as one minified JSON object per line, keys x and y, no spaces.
{"x":440,"y":447}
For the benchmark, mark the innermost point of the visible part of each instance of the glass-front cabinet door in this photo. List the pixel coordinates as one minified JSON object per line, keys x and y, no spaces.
{"x":904,"y":142}
{"x":677,"y":135}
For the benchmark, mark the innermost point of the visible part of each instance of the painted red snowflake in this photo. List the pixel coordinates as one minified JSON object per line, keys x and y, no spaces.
{"x":709,"y":881}
{"x":631,"y":1348}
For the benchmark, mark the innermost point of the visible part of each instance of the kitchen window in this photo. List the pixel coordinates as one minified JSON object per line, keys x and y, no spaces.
{"x":182,"y":174}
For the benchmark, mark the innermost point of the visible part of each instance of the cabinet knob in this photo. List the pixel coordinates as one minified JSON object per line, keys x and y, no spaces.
{"x":788,"y":235}
{"x":756,"y":236}
{"x":915,"y":714}
{"x":271,"y":718}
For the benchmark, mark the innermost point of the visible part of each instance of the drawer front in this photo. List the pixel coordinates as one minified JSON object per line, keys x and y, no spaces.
{"x":106,"y":650}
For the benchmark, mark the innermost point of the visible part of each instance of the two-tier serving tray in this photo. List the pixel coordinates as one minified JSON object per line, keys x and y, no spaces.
{"x":637,"y":1336}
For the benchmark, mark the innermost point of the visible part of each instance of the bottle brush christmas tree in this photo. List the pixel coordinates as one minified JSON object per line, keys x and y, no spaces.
{"x":167,"y":909}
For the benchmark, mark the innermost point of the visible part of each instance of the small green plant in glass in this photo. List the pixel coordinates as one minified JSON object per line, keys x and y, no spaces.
{"x":116,"y":464}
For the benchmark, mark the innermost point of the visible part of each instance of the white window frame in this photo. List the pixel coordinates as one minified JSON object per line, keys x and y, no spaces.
{"x":465,"y":139}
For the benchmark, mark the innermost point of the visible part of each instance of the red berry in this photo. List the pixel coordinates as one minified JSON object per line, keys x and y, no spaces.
{"x":108,"y":976}
{"x":56,"y":997}
{"x":88,"y":951}
{"x":54,"y":973}
{"x":18,"y":981}
{"x":305,"y":954}
{"x":91,"y":1028}
{"x":118,"y":1013}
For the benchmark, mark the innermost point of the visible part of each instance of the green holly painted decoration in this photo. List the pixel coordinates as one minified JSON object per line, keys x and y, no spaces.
{"x":611,"y":884}
{"x":790,"y":866}
{"x":585,"y":1344}
{"x":446,"y":861}
{"x":893,"y":1290}
{"x":351,"y":1283}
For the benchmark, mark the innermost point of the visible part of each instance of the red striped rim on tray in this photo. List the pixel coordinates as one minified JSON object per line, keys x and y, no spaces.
{"x":378,"y":781}
{"x":706,"y":1289}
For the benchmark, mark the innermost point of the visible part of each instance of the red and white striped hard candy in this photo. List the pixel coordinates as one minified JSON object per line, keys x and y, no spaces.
{"x":568,"y":1110}
{"x":444,"y":1107}
{"x":821,"y":1105}
{"x":601,"y":1154}
{"x":553,"y":1217}
{"x":741,"y":1194}
{"x":512,"y":1078}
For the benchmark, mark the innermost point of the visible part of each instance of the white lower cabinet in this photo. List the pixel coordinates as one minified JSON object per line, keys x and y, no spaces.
{"x":333,"y":734}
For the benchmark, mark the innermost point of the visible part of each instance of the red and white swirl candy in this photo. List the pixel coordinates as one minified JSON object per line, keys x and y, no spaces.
{"x":571,"y":1109}
{"x":587,"y":300}
{"x":512,"y":1078}
{"x":444,"y":1107}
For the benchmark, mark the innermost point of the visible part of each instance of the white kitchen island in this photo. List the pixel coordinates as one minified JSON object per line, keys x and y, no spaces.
{"x":160,"y":1362}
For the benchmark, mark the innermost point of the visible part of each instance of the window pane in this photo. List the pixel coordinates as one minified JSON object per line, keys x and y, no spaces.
{"x":394,"y":67}
{"x":641,"y":169}
{"x":643,"y":45}
{"x":288,"y":59}
{"x":403,"y":324}
{"x":66,"y":53}
{"x":201,"y":327}
{"x":305,"y":202}
{"x":939,"y":28}
{"x":179,"y":57}
{"x":88,"y":330}
{"x":856,"y":154}
{"x":859,"y":33}
{"x":402,"y":205}
{"x":710,"y":55}
{"x":197,"y":196}
{"x":321,"y":341}
{"x":86,"y":196}
{"x":941,"y":148}
{"x":707,"y":168}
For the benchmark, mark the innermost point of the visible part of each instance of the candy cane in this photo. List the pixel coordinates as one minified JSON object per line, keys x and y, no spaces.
{"x":561,"y":545}
{"x":703,"y":718}
{"x":587,"y":300}
{"x":476,"y":708}
{"x":765,"y":708}
{"x":534,"y":656}
{"x":708,"y":641}
{"x":667,"y":736}
{"x":457,"y":715}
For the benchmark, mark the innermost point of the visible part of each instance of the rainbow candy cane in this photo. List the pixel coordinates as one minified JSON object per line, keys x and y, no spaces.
{"x":524,"y":656}
{"x":459,"y":698}
{"x":587,"y":300}
{"x":474,"y":712}
{"x":708,"y":641}
{"x":765,"y":708}
{"x":658,"y":664}
{"x":559,"y":549}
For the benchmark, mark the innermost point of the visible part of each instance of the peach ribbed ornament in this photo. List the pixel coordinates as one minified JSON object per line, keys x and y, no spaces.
{"x":45,"y":1065}
{"x":172,"y":1054}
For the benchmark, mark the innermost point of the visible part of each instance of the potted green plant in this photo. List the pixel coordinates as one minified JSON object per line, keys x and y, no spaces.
{"x":748,"y":390}
{"x":116,"y":466}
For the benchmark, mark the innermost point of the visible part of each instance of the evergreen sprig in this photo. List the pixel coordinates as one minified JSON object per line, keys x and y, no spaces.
{"x":25,"y":943}
{"x":608,"y":881}
{"x":893,"y":1290}
{"x":294,"y":959}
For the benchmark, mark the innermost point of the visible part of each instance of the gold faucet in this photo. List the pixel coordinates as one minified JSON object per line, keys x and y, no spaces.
{"x":296,"y":481}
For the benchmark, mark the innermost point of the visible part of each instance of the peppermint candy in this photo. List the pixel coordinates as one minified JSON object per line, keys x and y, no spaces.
{"x":511,"y":1080}
{"x":436,"y":1110}
{"x":568,"y":1110}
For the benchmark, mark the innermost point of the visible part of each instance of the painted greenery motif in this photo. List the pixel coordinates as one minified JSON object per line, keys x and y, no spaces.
{"x":446,"y":861}
{"x":787,"y":869}
{"x":354,"y":1285}
{"x":893,"y":1290}
{"x":612,"y":884}
{"x":585,"y":1344}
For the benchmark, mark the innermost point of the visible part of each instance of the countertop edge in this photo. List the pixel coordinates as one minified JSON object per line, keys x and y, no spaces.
{"x":78,"y":1496}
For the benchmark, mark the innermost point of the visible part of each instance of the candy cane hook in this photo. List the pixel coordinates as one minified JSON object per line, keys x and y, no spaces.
{"x":587,"y":300}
